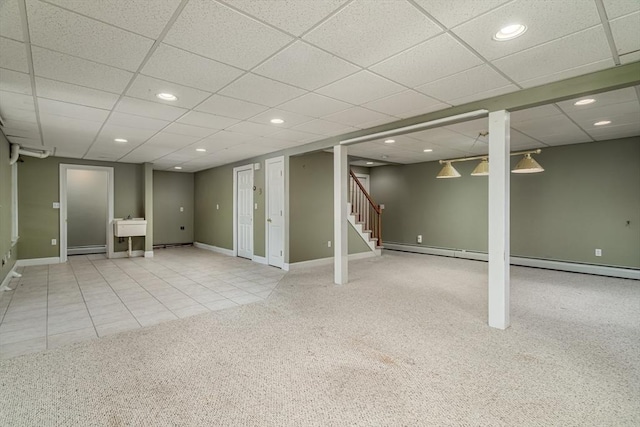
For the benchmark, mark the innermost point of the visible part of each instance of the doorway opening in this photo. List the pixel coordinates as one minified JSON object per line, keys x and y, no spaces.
{"x":86,"y":210}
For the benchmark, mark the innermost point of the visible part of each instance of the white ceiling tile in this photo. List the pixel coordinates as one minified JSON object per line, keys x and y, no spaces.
{"x":68,"y":32}
{"x":520,"y":141}
{"x":358,"y":116}
{"x":170,"y":140}
{"x":290,"y":119}
{"x":66,"y":92}
{"x":464,"y":84}
{"x":188,"y":130}
{"x":18,"y":114}
{"x":206,"y":120}
{"x":403,"y":102}
{"x":291,"y":16}
{"x":147,"y":18}
{"x":424,"y":110}
{"x":630,"y":57}
{"x":12,"y":100}
{"x":253,"y":129}
{"x":137,"y":122}
{"x":229,"y":138}
{"x":305,"y":66}
{"x":314,"y":105}
{"x":618,"y":8}
{"x":389,"y":26}
{"x":239,"y":40}
{"x":134,"y":136}
{"x":146,"y":153}
{"x":13,"y":55}
{"x":10,"y":20}
{"x":65,"y":131}
{"x":58,"y":108}
{"x":230,"y":107}
{"x":296,"y":136}
{"x":69,"y":69}
{"x":463,"y":10}
{"x":360,"y":88}
{"x":626,"y":33}
{"x":13,"y":81}
{"x":484,"y":95}
{"x":556,"y":19}
{"x":216,"y":144}
{"x":550,"y":129}
{"x":324,"y":127}
{"x":257,"y":89}
{"x":25,"y":130}
{"x":565,"y":74}
{"x":625,"y":95}
{"x":569,"y":52}
{"x":186,"y":68}
{"x":149,"y":109}
{"x":619,"y":114}
{"x":614,"y":132}
{"x":471,"y":128}
{"x":22,"y":126}
{"x":147,"y":88}
{"x":435,"y":59}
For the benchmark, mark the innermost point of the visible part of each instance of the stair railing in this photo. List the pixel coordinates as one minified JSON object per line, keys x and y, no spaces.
{"x":364,"y":208}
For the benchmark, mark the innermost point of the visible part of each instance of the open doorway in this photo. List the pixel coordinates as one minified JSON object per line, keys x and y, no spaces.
{"x":86,"y":210}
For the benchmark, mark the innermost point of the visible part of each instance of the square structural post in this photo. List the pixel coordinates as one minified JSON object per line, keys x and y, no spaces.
{"x":340,"y":222}
{"x":499,"y":208}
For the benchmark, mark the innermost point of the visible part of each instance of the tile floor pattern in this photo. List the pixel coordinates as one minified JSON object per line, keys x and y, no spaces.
{"x":91,"y":296}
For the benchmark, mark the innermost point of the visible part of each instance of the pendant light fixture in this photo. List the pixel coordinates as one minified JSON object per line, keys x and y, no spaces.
{"x":482,"y":169}
{"x":448,"y":171}
{"x":527,"y":165}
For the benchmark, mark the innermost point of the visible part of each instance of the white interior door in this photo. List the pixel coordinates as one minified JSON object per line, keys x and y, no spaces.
{"x":274,"y":171}
{"x":244,"y":211}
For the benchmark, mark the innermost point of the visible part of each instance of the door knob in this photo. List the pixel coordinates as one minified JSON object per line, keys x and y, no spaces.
{"x":268,"y":219}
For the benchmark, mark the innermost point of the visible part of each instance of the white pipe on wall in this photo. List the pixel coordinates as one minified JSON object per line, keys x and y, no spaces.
{"x":16,"y":151}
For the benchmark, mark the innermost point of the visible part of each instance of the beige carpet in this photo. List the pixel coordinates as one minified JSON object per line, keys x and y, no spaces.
{"x":404,"y":344}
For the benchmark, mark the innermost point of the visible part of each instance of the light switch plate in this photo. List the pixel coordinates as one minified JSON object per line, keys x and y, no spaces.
{"x":56,"y":205}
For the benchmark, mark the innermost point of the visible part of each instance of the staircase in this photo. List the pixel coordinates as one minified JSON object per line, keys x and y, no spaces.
{"x":364,"y":215}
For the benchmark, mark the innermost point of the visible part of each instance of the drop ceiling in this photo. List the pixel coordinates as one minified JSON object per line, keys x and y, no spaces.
{"x":76,"y":74}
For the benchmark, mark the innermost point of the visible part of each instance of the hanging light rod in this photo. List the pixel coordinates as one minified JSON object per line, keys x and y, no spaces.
{"x":414,"y":128}
{"x":464,"y":159}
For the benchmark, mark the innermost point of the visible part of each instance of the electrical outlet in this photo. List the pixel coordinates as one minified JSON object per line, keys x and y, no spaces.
{"x":54,"y":242}
{"x":598,"y":252}
{"x":419,"y":238}
{"x":255,"y":206}
{"x":182,"y":227}
{"x":181,"y":209}
{"x":217,"y":207}
{"x":329,"y":244}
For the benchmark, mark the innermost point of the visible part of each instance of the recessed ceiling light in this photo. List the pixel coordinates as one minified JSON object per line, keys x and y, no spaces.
{"x":369,"y":163}
{"x":427,"y":150}
{"x":277,"y":121}
{"x":177,"y":167}
{"x":389,"y":141}
{"x":602,"y":123}
{"x":510,"y":32}
{"x":167,"y":96}
{"x":120,"y":140}
{"x":202,"y":150}
{"x":585,"y":101}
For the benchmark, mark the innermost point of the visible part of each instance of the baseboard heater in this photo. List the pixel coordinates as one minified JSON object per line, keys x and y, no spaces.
{"x":572,"y":267}
{"x":87,"y":250}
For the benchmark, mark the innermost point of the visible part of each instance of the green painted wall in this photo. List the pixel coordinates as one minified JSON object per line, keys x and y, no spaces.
{"x":5,"y":209}
{"x":171,"y":191}
{"x":581,"y":202}
{"x":214,"y":226}
{"x":311,"y":209}
{"x":38,"y":188}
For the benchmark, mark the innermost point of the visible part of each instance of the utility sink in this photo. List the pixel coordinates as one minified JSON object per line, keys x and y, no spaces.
{"x":130,"y":227}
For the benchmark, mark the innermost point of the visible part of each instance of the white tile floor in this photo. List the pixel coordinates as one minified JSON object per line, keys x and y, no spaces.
{"x":91,"y":296}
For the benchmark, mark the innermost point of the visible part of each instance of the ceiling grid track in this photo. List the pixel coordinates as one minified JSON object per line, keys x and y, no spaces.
{"x":607,"y":31}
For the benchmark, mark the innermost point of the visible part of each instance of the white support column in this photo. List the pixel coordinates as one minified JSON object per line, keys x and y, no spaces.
{"x":499,"y":170}
{"x":340,"y":224}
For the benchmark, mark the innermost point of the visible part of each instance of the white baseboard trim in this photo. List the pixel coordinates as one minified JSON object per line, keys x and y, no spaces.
{"x":260,"y":259}
{"x":216,"y":249}
{"x":148,"y":254}
{"x":134,"y":254}
{"x":37,"y":261}
{"x":572,"y":267}
{"x":325,"y":261}
{"x":87,"y":250}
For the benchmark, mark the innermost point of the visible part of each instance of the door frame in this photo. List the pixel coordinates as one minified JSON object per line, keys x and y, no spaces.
{"x":235,"y":206}
{"x":365,"y":175}
{"x":63,"y":206}
{"x":267,"y":164}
